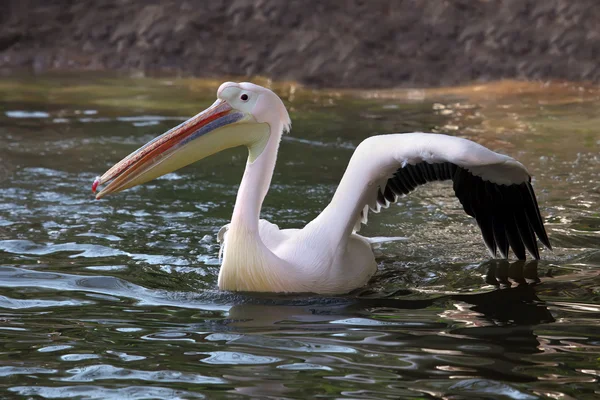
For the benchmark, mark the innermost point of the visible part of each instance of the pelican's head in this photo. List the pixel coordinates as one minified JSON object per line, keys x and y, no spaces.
{"x":244,"y":114}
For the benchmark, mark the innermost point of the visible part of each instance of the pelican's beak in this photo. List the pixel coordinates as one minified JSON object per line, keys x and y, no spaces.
{"x":214,"y":129}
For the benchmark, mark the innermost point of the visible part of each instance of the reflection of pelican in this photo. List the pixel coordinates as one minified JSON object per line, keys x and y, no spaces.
{"x":327,"y":256}
{"x":517,"y":303}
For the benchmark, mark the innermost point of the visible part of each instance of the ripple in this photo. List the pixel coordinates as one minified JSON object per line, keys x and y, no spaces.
{"x":78,"y":357}
{"x":111,"y":238}
{"x":13,"y":277}
{"x":169,"y":336}
{"x":485,"y":386}
{"x":304,"y":367}
{"x":51,"y":349}
{"x":18,"y":304}
{"x":106,"y":267}
{"x":5,"y":222}
{"x":102,"y":393}
{"x":290,"y":345}
{"x":237,"y":358}
{"x":16,"y":246}
{"x":46,"y":172}
{"x":213,"y":337}
{"x":9,"y":371}
{"x":26,"y":114}
{"x":579,"y":307}
{"x":146,"y":123}
{"x":84,"y":250}
{"x":125,"y":357}
{"x":104,"y":371}
{"x":148,"y":118}
{"x":372,"y":322}
{"x":318,"y":143}
{"x":154,"y":259}
{"x":127,"y":330}
{"x":87,"y":120}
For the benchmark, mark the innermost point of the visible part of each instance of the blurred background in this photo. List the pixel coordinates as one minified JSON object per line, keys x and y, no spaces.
{"x":349,"y":43}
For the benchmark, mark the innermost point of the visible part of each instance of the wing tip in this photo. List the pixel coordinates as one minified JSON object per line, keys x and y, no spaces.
{"x":546,"y":242}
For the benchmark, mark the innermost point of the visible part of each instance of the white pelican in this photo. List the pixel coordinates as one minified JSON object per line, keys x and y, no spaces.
{"x":327,"y":255}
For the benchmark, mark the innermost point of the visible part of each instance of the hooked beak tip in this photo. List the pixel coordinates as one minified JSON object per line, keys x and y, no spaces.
{"x":95,"y":184}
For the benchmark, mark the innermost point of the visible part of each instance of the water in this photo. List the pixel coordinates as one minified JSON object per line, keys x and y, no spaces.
{"x":117,"y":298}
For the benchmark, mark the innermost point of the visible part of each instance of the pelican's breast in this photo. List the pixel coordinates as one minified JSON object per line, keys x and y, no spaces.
{"x":248,"y":265}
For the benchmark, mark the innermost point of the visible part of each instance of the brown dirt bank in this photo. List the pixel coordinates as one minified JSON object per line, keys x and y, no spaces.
{"x":336,"y":43}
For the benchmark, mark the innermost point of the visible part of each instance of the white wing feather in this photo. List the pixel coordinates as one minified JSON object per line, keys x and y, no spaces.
{"x":378,"y":158}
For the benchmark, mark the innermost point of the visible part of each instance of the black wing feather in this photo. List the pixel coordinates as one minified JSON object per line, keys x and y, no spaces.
{"x":508,"y":215}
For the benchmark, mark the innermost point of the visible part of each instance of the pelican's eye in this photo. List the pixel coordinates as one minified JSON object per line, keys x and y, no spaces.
{"x":244,"y":97}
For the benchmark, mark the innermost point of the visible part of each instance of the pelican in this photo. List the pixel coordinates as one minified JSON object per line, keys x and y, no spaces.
{"x":328,"y":256}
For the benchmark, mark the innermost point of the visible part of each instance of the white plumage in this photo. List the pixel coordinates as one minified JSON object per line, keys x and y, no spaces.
{"x":327,"y":255}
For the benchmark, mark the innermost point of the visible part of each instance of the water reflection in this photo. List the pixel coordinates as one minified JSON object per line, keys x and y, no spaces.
{"x":366,"y":340}
{"x":118,"y":300}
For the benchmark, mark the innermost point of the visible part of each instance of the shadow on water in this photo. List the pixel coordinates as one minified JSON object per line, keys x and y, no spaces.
{"x":479,"y":334}
{"x":515,"y":289}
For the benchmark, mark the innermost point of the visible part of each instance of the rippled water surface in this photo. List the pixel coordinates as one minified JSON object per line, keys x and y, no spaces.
{"x":117,"y":298}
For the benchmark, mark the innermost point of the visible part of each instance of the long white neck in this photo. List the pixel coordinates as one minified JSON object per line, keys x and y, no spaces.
{"x":255,"y":183}
{"x":248,"y":264}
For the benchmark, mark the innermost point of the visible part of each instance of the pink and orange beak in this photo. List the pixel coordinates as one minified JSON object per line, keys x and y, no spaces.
{"x":188,"y":142}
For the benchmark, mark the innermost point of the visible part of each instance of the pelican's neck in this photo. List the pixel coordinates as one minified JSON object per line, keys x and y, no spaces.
{"x":255,"y":182}
{"x":248,"y":264}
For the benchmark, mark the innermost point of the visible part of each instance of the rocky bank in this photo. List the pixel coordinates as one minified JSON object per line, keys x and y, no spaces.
{"x":335,"y":43}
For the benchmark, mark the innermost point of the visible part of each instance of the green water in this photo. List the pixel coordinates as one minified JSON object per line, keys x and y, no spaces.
{"x":117,"y":298}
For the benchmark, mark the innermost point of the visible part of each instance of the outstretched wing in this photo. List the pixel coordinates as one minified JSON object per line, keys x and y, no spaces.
{"x":493,"y":188}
